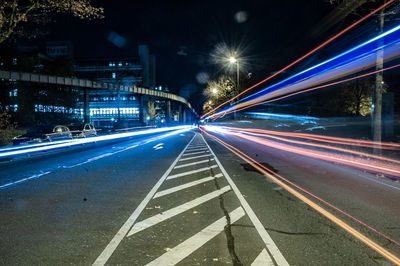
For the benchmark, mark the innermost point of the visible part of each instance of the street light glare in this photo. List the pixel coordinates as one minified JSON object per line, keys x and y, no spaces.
{"x":232,"y":60}
{"x":214,"y":91}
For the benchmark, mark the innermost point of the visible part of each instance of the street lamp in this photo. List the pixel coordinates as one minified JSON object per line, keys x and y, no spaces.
{"x":214,"y":91}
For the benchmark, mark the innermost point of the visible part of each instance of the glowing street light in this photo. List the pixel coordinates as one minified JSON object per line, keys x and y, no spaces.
{"x":232,"y":60}
{"x":214,"y":91}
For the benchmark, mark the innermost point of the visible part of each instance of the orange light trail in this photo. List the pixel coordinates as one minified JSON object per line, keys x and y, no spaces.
{"x":365,"y":164}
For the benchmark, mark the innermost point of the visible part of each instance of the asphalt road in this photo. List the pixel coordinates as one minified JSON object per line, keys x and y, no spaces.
{"x":185,"y":199}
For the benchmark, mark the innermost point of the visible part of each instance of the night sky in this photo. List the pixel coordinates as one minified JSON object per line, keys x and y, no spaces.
{"x":183,"y":35}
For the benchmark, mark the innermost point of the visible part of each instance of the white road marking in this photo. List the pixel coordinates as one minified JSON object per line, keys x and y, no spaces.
{"x":158,"y":145}
{"x":158,"y":218}
{"x":195,"y":157}
{"x":197,"y":146}
{"x":193,"y":153}
{"x":181,"y":251}
{"x":196,"y":149}
{"x":187,"y":185}
{"x":263,"y":259}
{"x":110,"y":248}
{"x":23,"y":180}
{"x":192,"y":172}
{"x":194,"y":163}
{"x":270,"y":244}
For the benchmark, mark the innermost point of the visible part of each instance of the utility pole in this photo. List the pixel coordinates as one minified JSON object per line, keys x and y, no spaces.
{"x":377,"y":104}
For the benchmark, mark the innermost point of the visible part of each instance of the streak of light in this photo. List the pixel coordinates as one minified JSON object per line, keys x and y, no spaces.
{"x":327,"y":147}
{"x":304,"y":91}
{"x":322,"y":138}
{"x":358,"y":58}
{"x":283,"y":182}
{"x":369,"y":165}
{"x":76,"y":142}
{"x":304,"y":56}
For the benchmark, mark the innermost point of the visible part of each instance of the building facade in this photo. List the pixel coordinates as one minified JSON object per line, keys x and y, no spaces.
{"x":108,"y":109}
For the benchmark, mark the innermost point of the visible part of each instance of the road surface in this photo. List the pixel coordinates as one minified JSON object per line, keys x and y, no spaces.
{"x":185,"y":199}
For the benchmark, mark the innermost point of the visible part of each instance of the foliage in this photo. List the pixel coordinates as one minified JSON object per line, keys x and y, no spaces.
{"x":14,"y":13}
{"x":7,"y":128}
{"x":151,"y":110}
{"x":218,"y":91}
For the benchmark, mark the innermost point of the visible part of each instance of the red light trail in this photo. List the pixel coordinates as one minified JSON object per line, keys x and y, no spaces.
{"x":214,"y":116}
{"x":283,"y":182}
{"x":322,"y":138}
{"x":304,"y":56}
{"x":365,"y":164}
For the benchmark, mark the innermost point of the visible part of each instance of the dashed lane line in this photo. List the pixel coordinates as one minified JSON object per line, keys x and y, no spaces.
{"x":263,"y":259}
{"x":195,"y":157}
{"x":194,"y":163}
{"x":110,"y":248}
{"x":158,"y":218}
{"x":187,"y":247}
{"x":192,"y":172}
{"x":184,"y":186}
{"x":269,"y":243}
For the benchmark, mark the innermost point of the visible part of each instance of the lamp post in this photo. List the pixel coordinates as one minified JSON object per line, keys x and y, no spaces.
{"x":233,"y":60}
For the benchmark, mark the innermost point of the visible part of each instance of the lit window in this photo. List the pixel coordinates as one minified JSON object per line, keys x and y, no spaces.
{"x":120,"y":64}
{"x":114,"y":75}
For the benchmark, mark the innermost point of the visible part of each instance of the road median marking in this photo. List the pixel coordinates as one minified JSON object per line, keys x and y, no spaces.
{"x":165,"y":215}
{"x":184,"y":186}
{"x":194,"y":163}
{"x":192,"y":172}
{"x":187,"y":247}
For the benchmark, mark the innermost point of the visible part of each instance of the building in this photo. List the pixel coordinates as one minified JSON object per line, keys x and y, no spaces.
{"x":110,"y":108}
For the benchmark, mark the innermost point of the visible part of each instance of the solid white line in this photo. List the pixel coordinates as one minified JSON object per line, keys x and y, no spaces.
{"x":192,"y":172}
{"x":194,"y":163}
{"x":263,"y":259}
{"x":195,"y":157}
{"x":109,"y":250}
{"x":187,"y":185}
{"x":269,"y":243}
{"x":193,"y":153}
{"x":181,"y":251}
{"x":158,"y":218}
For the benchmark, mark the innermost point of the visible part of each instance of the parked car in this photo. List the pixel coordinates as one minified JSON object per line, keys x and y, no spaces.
{"x":59,"y":132}
{"x":83,"y":131}
{"x":34,"y":135}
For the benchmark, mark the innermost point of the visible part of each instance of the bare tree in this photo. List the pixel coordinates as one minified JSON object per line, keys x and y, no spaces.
{"x":220,"y":90}
{"x":13,"y":13}
{"x":151,"y":110}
